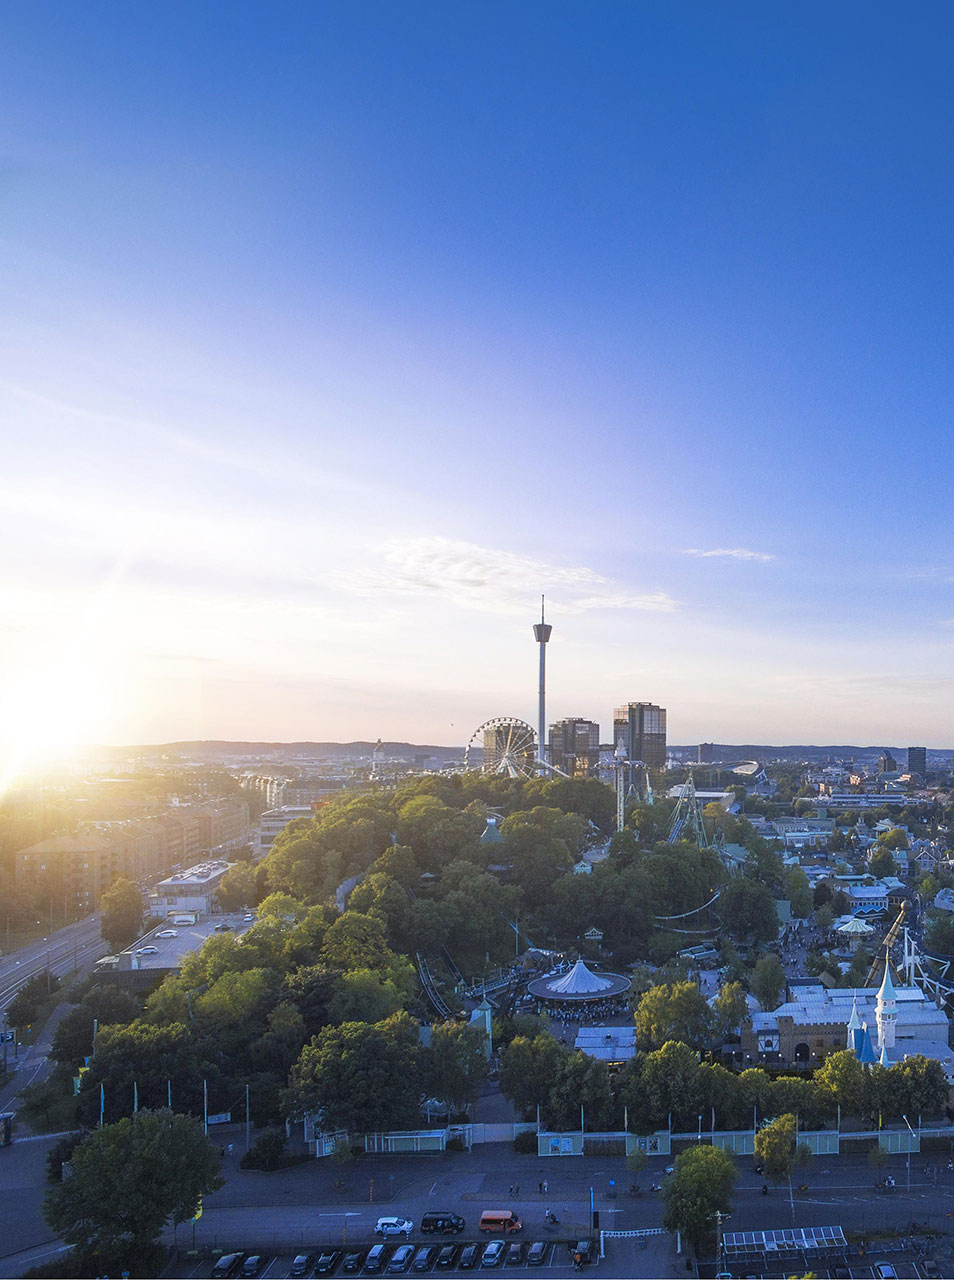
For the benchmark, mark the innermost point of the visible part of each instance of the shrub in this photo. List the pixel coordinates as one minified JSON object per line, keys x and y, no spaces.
{"x":267,"y":1151}
{"x":454,"y":1144}
{"x":525,"y":1144}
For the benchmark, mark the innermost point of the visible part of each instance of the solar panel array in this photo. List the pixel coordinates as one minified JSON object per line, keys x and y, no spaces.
{"x":791,"y":1239}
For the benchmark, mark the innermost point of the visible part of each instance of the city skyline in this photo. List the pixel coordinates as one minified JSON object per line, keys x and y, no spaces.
{"x":333,"y":339}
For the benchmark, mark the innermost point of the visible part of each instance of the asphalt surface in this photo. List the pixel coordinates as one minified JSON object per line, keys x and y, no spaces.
{"x":74,"y":947}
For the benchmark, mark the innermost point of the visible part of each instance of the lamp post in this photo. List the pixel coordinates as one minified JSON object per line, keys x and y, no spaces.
{"x":911,"y":1131}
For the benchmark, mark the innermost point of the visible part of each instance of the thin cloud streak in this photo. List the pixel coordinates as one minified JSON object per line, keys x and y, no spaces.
{"x":488,"y":579}
{"x":728,"y":553}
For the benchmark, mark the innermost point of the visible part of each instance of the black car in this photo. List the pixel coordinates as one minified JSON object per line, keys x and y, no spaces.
{"x":253,"y":1264}
{"x":377,"y":1257}
{"x":353,"y":1260}
{"x":537,"y":1253}
{"x":228,"y":1265}
{"x":516,"y":1253}
{"x":447,"y":1256}
{"x":424,"y":1258}
{"x":327,"y":1261}
{"x":302,"y":1264}
{"x":442,"y":1222}
{"x":469,"y":1256}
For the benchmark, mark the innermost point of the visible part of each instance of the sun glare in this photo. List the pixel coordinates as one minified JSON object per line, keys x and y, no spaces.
{"x":49,"y":706}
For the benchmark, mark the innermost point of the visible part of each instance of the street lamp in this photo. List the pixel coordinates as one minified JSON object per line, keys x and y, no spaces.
{"x":911,"y":1131}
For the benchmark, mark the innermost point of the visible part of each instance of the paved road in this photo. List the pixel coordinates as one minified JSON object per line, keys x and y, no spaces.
{"x":67,"y":949}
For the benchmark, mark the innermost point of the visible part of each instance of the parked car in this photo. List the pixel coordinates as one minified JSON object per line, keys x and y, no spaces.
{"x":885,"y":1271}
{"x":327,"y":1261}
{"x":302,"y":1264}
{"x":353,"y":1260}
{"x":469,"y":1256}
{"x":929,"y":1267}
{"x":401,"y":1258}
{"x":228,"y":1265}
{"x":147,"y":951}
{"x":394,"y":1227}
{"x":447,"y":1256}
{"x":585,"y":1250}
{"x":537,"y":1253}
{"x":168,"y":933}
{"x":493,"y":1254}
{"x":516,"y":1253}
{"x":252,"y":1265}
{"x":442,"y":1222}
{"x":424,"y":1258}
{"x":377,"y":1257}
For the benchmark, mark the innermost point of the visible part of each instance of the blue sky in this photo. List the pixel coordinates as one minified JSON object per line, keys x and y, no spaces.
{"x":334,"y":333}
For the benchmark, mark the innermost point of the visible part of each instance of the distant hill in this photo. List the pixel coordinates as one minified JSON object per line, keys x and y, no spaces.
{"x":224,"y":747}
{"x":754,"y":751}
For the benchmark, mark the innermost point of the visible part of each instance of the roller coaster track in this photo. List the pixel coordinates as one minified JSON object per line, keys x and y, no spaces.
{"x":449,"y":961}
{"x":664,"y":921}
{"x":430,"y":987}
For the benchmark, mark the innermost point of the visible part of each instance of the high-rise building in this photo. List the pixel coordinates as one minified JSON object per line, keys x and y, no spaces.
{"x":706,"y":753}
{"x":575,"y":746}
{"x":887,"y":762}
{"x":641,"y":727}
{"x":917,"y":760}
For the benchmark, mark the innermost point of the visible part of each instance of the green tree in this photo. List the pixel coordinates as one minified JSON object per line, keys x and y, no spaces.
{"x":674,"y":1012}
{"x":881,"y":863}
{"x":454,"y":1064}
{"x":360,"y":1077}
{"x":238,"y":887}
{"x":130,"y":1179}
{"x":670,"y":1083}
{"x":27,"y":1004}
{"x":357,"y":941}
{"x":582,"y":1082}
{"x":768,"y":980}
{"x":364,"y":995}
{"x":730,"y":1009}
{"x":148,"y":1057}
{"x":528,"y":1069}
{"x":747,"y":910}
{"x":121,"y":908}
{"x":102,"y":1006}
{"x":842,"y":1077}
{"x":775,"y":1148}
{"x":700,"y":1187}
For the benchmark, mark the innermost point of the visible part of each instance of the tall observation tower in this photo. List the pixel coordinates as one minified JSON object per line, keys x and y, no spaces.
{"x":541,"y":633}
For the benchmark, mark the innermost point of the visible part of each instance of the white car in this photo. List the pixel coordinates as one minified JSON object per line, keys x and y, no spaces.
{"x":168,"y":933}
{"x":394,"y":1227}
{"x":147,"y":951}
{"x":885,"y":1271}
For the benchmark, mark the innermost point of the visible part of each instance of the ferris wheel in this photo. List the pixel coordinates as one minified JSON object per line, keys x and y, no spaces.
{"x":509,"y":746}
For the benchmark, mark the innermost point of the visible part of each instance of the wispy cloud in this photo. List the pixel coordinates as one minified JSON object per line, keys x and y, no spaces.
{"x":728,"y":553}
{"x":488,"y":579}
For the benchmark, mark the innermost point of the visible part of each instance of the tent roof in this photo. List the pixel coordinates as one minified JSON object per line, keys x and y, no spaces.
{"x":579,"y":981}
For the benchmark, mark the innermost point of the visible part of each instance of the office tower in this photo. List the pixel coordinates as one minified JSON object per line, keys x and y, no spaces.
{"x":917,"y":760}
{"x":641,"y":727}
{"x":575,"y":747}
{"x":706,"y":753}
{"x":887,"y":762}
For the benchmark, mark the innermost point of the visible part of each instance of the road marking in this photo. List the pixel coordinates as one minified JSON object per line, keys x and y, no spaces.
{"x":345,"y":1213}
{"x":433,"y":1189}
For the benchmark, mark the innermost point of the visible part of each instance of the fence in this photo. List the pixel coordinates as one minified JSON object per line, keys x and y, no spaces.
{"x":576,"y":1142}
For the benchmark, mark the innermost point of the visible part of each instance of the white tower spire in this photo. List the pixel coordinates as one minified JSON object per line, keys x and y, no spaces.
{"x":886,"y":1008}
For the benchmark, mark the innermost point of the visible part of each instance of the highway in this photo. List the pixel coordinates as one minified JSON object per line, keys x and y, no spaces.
{"x":76,"y":946}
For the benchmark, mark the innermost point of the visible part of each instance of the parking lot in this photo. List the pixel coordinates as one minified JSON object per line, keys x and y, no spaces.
{"x":556,"y":1261}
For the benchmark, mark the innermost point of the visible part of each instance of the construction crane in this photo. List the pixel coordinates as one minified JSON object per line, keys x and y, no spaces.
{"x":890,"y":938}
